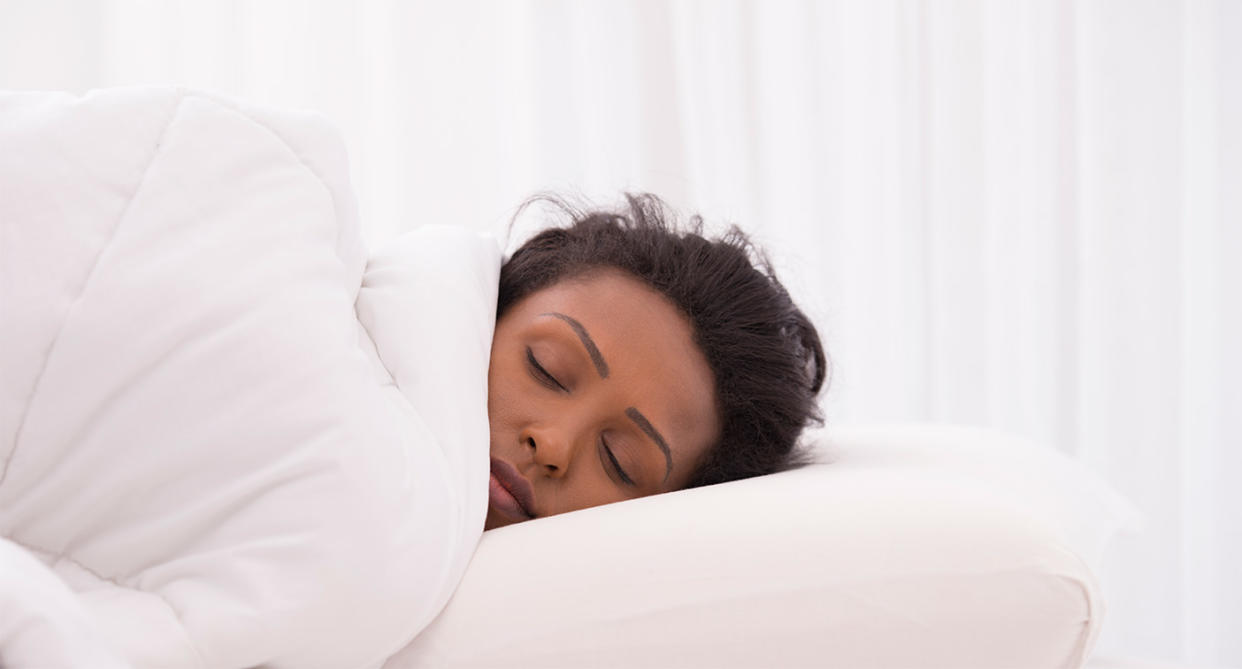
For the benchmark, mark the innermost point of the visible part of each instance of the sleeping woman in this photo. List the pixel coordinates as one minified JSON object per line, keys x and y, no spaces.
{"x":630,"y":358}
{"x":231,"y":434}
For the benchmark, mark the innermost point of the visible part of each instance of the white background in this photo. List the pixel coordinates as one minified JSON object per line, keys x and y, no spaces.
{"x":1022,"y":213}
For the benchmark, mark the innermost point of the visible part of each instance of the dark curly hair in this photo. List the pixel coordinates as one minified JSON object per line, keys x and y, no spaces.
{"x":764,"y":353}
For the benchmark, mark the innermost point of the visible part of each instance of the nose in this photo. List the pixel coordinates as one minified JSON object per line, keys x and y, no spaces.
{"x":552,"y":450}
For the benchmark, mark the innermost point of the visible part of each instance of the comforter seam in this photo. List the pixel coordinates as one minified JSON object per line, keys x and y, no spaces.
{"x":292,"y":150}
{"x":51,"y":349}
{"x":182,"y":96}
{"x":62,"y":557}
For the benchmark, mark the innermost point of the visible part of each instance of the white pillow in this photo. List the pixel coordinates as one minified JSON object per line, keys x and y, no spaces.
{"x":907,"y":546}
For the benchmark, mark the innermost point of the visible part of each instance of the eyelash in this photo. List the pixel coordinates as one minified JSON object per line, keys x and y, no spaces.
{"x":615,"y":465}
{"x":545,"y":377}
{"x":542,"y":375}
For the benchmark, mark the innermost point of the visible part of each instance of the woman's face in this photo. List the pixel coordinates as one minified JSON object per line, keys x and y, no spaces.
{"x":596,"y":393}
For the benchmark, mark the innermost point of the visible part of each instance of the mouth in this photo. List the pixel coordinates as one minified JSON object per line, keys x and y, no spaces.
{"x":509,"y":493}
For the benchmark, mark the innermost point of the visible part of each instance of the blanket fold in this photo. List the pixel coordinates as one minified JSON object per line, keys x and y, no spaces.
{"x":227,"y":428}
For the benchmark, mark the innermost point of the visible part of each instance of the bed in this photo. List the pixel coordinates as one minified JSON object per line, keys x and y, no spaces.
{"x":234,"y":435}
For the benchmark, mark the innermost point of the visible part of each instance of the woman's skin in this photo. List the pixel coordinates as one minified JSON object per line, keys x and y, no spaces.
{"x":589,"y":366}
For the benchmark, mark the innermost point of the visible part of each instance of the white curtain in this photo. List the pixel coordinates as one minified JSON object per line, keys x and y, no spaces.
{"x":1018,"y":213}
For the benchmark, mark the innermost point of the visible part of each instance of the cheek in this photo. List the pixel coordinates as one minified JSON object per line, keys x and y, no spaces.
{"x":509,"y":403}
{"x":497,"y":410}
{"x":501,"y":387}
{"x":589,"y":488}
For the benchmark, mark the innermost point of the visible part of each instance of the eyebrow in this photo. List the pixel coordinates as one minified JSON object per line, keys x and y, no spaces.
{"x":646,"y":426}
{"x":602,"y":367}
{"x":596,"y":357}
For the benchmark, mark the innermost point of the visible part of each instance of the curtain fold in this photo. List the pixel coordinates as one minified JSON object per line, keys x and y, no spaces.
{"x":1023,"y":214}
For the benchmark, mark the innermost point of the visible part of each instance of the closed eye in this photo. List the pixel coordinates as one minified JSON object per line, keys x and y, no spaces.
{"x":542,"y":375}
{"x":625,"y":478}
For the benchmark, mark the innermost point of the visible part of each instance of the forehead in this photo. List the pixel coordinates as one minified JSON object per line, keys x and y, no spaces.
{"x":618,"y":309}
{"x":648,"y":344}
{"x":617,"y":300}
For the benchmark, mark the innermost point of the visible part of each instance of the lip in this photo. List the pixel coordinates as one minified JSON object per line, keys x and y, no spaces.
{"x":509,"y":492}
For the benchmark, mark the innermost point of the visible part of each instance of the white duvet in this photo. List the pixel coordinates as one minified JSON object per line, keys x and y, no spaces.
{"x":229,"y":435}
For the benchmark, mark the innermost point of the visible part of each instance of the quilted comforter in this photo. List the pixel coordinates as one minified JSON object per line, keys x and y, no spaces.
{"x":230,"y":435}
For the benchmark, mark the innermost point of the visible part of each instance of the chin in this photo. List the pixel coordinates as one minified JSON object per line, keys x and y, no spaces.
{"x":493,"y":520}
